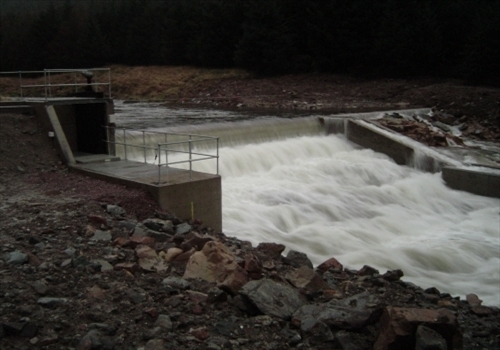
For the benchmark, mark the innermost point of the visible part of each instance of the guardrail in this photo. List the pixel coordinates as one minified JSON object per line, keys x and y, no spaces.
{"x":48,"y":84}
{"x":149,"y":145}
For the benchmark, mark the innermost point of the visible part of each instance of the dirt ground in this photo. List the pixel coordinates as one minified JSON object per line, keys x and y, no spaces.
{"x":41,"y":202}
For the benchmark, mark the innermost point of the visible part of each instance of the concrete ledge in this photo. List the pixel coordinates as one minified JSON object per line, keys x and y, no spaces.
{"x":197,"y":196}
{"x":365,"y":137}
{"x":483,"y":183}
{"x":18,"y":109}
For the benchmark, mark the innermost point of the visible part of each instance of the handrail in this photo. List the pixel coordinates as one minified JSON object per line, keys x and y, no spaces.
{"x":47,"y":84}
{"x":163,"y":148}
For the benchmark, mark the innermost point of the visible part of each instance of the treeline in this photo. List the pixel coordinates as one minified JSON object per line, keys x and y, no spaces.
{"x":390,"y":38}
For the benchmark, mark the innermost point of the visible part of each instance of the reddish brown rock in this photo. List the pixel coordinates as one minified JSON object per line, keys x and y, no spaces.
{"x":98,"y":220}
{"x":271,"y":250}
{"x":96,"y":293}
{"x":398,"y":327}
{"x":306,"y":278}
{"x":129,"y":267}
{"x":141,"y":240}
{"x":473,"y":299}
{"x":200,"y":333}
{"x":122,"y":241}
{"x":332,"y":264}
{"x":253,"y":266}
{"x":214,"y":263}
{"x":197,"y":241}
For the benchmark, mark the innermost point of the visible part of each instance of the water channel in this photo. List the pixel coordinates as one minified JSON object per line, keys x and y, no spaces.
{"x":285,"y":181}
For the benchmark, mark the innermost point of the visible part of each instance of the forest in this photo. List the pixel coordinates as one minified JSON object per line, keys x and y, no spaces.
{"x":384,"y":38}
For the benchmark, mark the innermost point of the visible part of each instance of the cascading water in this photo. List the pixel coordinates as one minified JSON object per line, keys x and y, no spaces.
{"x":328,"y":198}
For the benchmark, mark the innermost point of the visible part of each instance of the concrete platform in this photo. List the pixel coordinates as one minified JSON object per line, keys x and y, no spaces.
{"x":190,"y":195}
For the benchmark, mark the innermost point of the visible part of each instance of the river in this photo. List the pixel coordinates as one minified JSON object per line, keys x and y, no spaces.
{"x":285,"y":181}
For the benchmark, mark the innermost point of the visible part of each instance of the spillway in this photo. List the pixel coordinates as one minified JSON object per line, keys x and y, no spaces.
{"x":285,"y":181}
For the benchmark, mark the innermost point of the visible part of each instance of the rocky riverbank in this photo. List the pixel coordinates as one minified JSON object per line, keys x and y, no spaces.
{"x":109,"y":281}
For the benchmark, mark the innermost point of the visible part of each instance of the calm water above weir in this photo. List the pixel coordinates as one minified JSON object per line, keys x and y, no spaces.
{"x":285,"y":181}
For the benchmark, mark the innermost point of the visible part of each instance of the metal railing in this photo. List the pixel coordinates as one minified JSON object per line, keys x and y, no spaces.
{"x":177,"y":143}
{"x":48,"y":84}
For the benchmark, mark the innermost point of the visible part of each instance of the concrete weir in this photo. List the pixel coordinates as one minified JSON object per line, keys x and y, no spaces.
{"x":482,"y":178}
{"x":83,"y":130}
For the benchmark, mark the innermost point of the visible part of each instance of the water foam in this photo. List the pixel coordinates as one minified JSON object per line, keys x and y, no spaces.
{"x":325,"y":197}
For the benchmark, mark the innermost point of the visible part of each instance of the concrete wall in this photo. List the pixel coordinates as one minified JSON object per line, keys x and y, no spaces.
{"x":66,"y":116}
{"x":200,"y":198}
{"x":367,"y":138}
{"x":481,"y":183}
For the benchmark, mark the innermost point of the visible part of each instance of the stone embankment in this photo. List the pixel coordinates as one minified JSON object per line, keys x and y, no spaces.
{"x":161,"y":283}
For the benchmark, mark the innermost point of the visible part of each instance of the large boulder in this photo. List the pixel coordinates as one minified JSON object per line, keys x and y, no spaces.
{"x":350,"y":314}
{"x":272,"y":298}
{"x":214,"y":263}
{"x":398,"y":327}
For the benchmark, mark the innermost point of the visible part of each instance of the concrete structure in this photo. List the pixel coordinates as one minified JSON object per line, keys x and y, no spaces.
{"x":482,"y":178}
{"x":79,"y":126}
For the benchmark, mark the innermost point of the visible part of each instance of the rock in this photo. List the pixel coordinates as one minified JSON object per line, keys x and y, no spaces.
{"x":98,"y":220}
{"x":183,"y":228}
{"x":473,"y":299}
{"x":130,"y":267}
{"x":159,"y":225}
{"x":344,"y":340}
{"x":90,"y":341}
{"x":271,"y":250}
{"x":176,"y":282}
{"x":272,"y":298}
{"x":51,"y":302}
{"x":216,"y":295}
{"x":428,"y":339}
{"x":96,"y":293}
{"x":349,"y":314}
{"x":253,"y":266}
{"x":101,"y":236}
{"x":481,"y":310}
{"x":164,"y":322}
{"x":315,"y":332}
{"x":148,"y":260}
{"x":16,"y":258}
{"x":115,"y":211}
{"x":141,"y":240}
{"x":306,"y":278}
{"x":297,"y":259}
{"x":398,"y":327}
{"x":105,"y":266}
{"x":393,"y":275}
{"x":12,"y":328}
{"x":214,"y":263}
{"x":331,"y":263}
{"x":368,"y":271}
{"x":172,"y":253}
{"x":196,"y":297}
{"x":198,"y":241}
{"x":40,"y":287}
{"x":200,"y":333}
{"x":70,"y":251}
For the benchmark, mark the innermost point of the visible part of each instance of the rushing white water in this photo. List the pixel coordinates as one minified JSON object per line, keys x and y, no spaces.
{"x":322,"y":196}
{"x":328,"y":198}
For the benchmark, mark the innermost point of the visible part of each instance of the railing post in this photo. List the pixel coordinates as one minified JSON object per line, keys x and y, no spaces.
{"x":190,"y":160}
{"x":21,"y":83}
{"x":159,"y":164}
{"x":217,"y":156}
{"x":125,"y":143}
{"x":144,"y":144}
